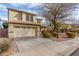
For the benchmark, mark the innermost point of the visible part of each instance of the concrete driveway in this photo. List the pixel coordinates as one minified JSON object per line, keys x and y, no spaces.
{"x":45,"y":47}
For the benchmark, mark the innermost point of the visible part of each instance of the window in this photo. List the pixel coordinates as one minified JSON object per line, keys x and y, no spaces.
{"x":31,"y":18}
{"x":19,"y":16}
{"x":27,"y":17}
{"x":38,"y":21}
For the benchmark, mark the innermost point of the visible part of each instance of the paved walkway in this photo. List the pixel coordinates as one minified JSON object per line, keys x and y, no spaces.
{"x":45,"y":47}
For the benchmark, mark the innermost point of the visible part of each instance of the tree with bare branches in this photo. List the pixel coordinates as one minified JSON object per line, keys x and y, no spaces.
{"x":57,"y":11}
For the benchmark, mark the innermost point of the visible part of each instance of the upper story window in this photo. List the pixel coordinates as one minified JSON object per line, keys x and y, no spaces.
{"x":38,"y":21}
{"x":19,"y":16}
{"x":27,"y":17}
{"x":31,"y":18}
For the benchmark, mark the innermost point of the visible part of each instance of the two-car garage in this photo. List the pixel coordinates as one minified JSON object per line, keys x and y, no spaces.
{"x":17,"y":30}
{"x":24,"y":32}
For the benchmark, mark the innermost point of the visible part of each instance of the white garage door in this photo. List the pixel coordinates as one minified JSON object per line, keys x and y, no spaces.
{"x":24,"y":32}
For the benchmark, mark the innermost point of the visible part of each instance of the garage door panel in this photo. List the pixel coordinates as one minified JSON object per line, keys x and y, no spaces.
{"x":24,"y":32}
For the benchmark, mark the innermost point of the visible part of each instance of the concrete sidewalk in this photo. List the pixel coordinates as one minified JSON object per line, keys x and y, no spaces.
{"x":45,"y":47}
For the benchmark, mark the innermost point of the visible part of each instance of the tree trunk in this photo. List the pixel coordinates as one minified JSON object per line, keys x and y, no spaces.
{"x":55,"y":28}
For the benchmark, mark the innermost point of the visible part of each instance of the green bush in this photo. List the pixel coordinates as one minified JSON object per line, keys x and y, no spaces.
{"x":46,"y":34}
{"x":77,"y":30}
{"x":54,"y":34}
{"x":4,"y":46}
{"x":70,"y":34}
{"x":73,"y":31}
{"x":5,"y":25}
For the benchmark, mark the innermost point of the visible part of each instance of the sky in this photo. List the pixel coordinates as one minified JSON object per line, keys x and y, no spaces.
{"x":28,"y":7}
{"x":31,"y":7}
{"x":21,"y":6}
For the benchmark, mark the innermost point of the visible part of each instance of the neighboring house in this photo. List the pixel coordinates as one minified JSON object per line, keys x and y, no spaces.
{"x":23,"y":24}
{"x":75,"y":25}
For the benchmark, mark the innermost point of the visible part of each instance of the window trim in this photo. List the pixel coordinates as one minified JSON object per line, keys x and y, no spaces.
{"x":19,"y":16}
{"x":31,"y":18}
{"x":27,"y":19}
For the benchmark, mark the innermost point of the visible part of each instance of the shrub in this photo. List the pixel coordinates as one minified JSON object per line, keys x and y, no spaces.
{"x":70,"y":34}
{"x":77,"y":30}
{"x":4,"y":46}
{"x":5,"y":25}
{"x":73,"y":31}
{"x":46,"y":34}
{"x":61,"y":30}
{"x":54,"y":34}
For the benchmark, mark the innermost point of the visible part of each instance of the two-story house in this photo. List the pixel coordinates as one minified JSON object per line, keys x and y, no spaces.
{"x":22,"y":24}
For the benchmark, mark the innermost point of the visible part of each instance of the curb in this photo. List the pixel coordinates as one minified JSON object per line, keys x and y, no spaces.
{"x":73,"y":50}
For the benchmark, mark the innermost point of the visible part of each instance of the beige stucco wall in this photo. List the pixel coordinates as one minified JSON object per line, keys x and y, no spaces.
{"x":10,"y":31}
{"x":13,"y":13}
{"x":14,"y":32}
{"x":38,"y":31}
{"x":34,"y":19}
{"x":24,"y":17}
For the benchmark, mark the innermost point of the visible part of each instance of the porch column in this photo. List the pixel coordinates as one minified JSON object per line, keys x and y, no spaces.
{"x":38,"y":31}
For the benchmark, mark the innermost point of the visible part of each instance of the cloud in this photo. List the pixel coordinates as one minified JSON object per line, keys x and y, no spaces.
{"x":33,"y":8}
{"x":15,"y":4}
{"x":3,"y":18}
{"x":33,"y":4}
{"x":2,"y":6}
{"x":3,"y":11}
